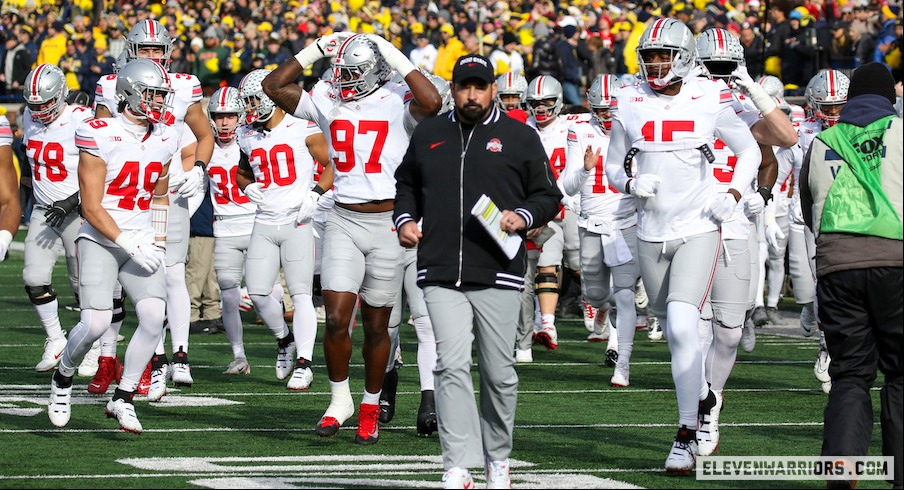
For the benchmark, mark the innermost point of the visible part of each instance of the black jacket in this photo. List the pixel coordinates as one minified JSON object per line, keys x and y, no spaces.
{"x":504,"y":160}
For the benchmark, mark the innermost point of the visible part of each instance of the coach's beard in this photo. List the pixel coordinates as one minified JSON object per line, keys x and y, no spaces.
{"x":472,"y":113}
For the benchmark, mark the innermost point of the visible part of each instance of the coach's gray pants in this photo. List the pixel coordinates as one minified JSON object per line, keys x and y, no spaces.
{"x":490,"y":315}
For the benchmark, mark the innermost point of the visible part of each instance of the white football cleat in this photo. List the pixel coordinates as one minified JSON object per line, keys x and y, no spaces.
{"x":457,"y":478}
{"x":827,"y":387}
{"x":523,"y":356}
{"x":808,"y":324}
{"x":59,"y":408}
{"x":748,"y":336}
{"x":590,"y":313}
{"x":88,"y":367}
{"x":498,"y":475}
{"x":655,"y":329}
{"x":124,"y":413}
{"x":53,"y":351}
{"x":180,"y":370}
{"x":641,"y":300}
{"x":238,"y":366}
{"x":547,"y":336}
{"x":157,"y":390}
{"x":683,"y":455}
{"x":301,"y":378}
{"x":602,"y":328}
{"x":285,"y":360}
{"x":708,"y":433}
{"x":621,"y":376}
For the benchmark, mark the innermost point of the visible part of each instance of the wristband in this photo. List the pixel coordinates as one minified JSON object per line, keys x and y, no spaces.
{"x":307,"y":56}
{"x":628,"y":186}
{"x":766,"y":192}
{"x":319,"y":190}
{"x":124,"y":242}
{"x":201,"y":164}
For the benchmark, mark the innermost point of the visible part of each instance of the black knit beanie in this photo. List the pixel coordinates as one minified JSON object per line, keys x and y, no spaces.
{"x":872,"y":78}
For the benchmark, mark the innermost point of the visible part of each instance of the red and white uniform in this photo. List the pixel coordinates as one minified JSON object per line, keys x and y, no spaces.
{"x":132,"y":171}
{"x":367,"y":138}
{"x":6,"y":133}
{"x":599,"y":200}
{"x":555,"y":140}
{"x":668,"y":131}
{"x":232,"y":211}
{"x":737,"y":227}
{"x":281,"y":162}
{"x":52,"y":154}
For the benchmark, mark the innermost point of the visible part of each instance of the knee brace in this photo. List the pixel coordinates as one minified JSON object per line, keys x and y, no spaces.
{"x":41,"y":295}
{"x":548,"y":282}
{"x":119,"y":310}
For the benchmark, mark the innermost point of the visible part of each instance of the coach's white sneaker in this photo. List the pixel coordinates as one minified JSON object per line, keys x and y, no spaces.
{"x":821,"y":368}
{"x":589,"y":315}
{"x":238,"y":366}
{"x":124,"y":413}
{"x":457,"y":478}
{"x":59,"y":408}
{"x":683,"y":455}
{"x":621,"y":375}
{"x":53,"y":351}
{"x":88,"y":367}
{"x":285,"y":359}
{"x":498,"y":475}
{"x":302,"y":376}
{"x":524,"y":356}
{"x":655,"y":329}
{"x":808,"y":325}
{"x":708,"y":431}
{"x":748,"y":336}
{"x":157,"y":389}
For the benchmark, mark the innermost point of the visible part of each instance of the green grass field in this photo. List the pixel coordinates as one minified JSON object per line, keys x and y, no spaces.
{"x":572,"y":429}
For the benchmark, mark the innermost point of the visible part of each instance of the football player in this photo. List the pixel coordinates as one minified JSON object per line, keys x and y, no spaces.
{"x":368,"y":122}
{"x":511,"y":95}
{"x":276,"y":172}
{"x":123,"y":173}
{"x":49,"y":139}
{"x":607,"y":224}
{"x":667,"y":124}
{"x":10,"y":209}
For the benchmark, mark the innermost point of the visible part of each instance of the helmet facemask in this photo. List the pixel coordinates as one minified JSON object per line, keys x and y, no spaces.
{"x":256,"y":111}
{"x":829,"y":113}
{"x":358,"y":69}
{"x":508,"y":102}
{"x":660,"y":74}
{"x":258,"y":108}
{"x":721,"y":70}
{"x":155,"y":104}
{"x":45,"y":93}
{"x":544,"y":109}
{"x":223,"y":103}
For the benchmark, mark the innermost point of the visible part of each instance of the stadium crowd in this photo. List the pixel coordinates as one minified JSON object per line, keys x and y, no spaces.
{"x":216,"y":89}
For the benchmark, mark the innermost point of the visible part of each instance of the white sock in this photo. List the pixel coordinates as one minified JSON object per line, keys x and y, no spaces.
{"x":50,"y":319}
{"x":271,"y":313}
{"x":625,"y":323}
{"x":724,"y":351}
{"x":426,"y":351}
{"x":232,"y":320}
{"x":371,"y":398}
{"x":139,"y":353}
{"x":178,"y":306}
{"x":681,"y":324}
{"x":108,"y":340}
{"x":548,"y":319}
{"x":82,"y":337}
{"x":304,"y":325}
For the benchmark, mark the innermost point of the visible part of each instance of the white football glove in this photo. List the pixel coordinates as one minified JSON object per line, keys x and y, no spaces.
{"x":189,"y":183}
{"x":754,"y":204}
{"x":572,"y":203}
{"x":645,"y":185}
{"x":308,"y":206}
{"x":395,"y":58}
{"x":722,"y":206}
{"x":773,"y":231}
{"x":795,"y":212}
{"x":254,"y":192}
{"x":5,"y":239}
{"x":763,"y":102}
{"x":149,"y":257}
{"x":329,"y":44}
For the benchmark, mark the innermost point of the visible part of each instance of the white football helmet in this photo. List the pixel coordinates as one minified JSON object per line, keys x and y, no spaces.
{"x":144,"y":86}
{"x":258,"y":107}
{"x":827,"y":89}
{"x":772,"y":85}
{"x":45,"y":93}
{"x":673,"y":36}
{"x":225,"y":100}
{"x":445,"y":91}
{"x":150,"y":33}
{"x":544,"y":88}
{"x":599,"y":96}
{"x":358,"y":68}
{"x":120,"y":61}
{"x":719,"y":52}
{"x":510,"y":84}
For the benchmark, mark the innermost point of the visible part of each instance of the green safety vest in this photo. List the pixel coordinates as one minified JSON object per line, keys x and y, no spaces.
{"x":856,"y":202}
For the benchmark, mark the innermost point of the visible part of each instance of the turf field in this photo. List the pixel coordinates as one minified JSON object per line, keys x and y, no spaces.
{"x":572,"y":429}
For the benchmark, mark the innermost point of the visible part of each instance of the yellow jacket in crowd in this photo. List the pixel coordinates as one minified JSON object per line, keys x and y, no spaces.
{"x":446,"y":56}
{"x":52,"y":49}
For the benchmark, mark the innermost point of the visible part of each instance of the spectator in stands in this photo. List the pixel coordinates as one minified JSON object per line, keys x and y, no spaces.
{"x":842,"y":51}
{"x":212,"y":64}
{"x":424,"y":54}
{"x":752,"y":42}
{"x":53,"y":47}
{"x":545,"y":59}
{"x":506,"y":58}
{"x":71,"y":63}
{"x":566,"y":49}
{"x":94,"y":68}
{"x":25,"y":34}
{"x":16,"y":65}
{"x":274,"y":56}
{"x":448,"y":52}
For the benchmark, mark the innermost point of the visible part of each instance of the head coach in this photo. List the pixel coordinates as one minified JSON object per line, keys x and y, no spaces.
{"x":470,"y":286}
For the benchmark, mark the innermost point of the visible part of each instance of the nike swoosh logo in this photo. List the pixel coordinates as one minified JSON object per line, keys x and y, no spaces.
{"x":163,"y":139}
{"x":290,"y":125}
{"x":434,"y":145}
{"x":64,"y":123}
{"x":697,"y":97}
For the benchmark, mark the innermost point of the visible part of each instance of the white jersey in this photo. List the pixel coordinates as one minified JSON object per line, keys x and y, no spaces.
{"x":6,"y":133}
{"x":807,"y":132}
{"x":52,"y":154}
{"x":186,"y":91}
{"x":134,"y":161}
{"x":326,"y":201}
{"x":233,"y":212}
{"x":555,"y":139}
{"x":786,"y":158}
{"x":669,"y":132}
{"x":367,"y":138}
{"x":281,"y":162}
{"x":602,"y":204}
{"x":737,"y":227}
